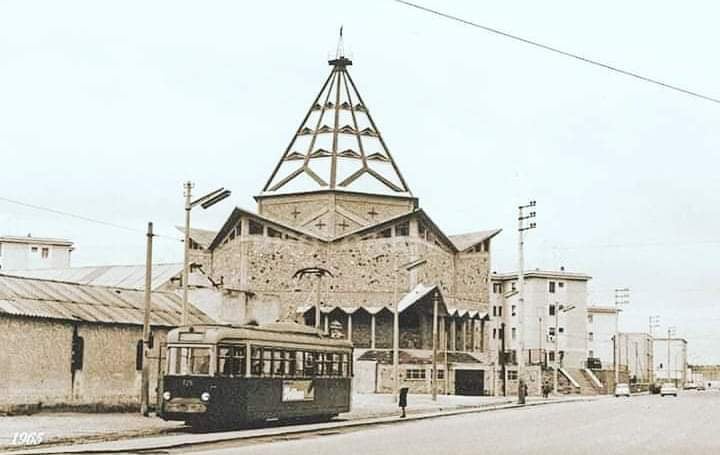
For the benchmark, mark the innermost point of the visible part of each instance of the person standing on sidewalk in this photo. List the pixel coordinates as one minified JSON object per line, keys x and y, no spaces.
{"x":402,"y":400}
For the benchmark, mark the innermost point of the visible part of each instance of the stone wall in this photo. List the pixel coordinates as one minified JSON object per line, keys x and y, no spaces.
{"x":36,"y":357}
{"x":363,"y":271}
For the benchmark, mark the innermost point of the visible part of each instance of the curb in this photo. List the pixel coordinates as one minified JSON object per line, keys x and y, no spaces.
{"x":282,"y":431}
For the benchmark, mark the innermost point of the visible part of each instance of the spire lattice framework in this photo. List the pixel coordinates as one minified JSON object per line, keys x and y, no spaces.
{"x":338,"y":145}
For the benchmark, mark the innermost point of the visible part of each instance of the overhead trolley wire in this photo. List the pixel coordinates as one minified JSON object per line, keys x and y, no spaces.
{"x":81,"y":217}
{"x":561,"y":52}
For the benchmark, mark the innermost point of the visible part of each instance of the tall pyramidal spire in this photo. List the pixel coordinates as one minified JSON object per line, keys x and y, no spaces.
{"x":337,"y":146}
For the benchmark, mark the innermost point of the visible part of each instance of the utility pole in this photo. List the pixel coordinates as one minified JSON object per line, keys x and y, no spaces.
{"x":436,"y":298}
{"x":186,"y":251}
{"x":502,"y":359}
{"x":521,"y":296}
{"x":622,"y":297}
{"x":653,"y":323}
{"x":145,"y":386}
{"x":205,"y":202}
{"x":670,"y":333}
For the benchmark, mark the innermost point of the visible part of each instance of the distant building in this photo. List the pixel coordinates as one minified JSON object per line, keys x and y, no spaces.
{"x":33,"y":253}
{"x":555,"y":314}
{"x":75,"y":345}
{"x":601,"y":328}
{"x":671,"y":364}
{"x":635,"y":352}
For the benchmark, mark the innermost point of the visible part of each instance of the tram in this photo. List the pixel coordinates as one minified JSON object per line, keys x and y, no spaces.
{"x":221,"y":374}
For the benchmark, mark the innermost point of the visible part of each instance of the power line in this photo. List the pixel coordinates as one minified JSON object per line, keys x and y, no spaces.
{"x":79,"y":217}
{"x":561,"y":52}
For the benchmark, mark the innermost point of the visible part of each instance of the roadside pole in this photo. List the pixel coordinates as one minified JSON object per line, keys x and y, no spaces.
{"x":521,"y":297}
{"x":436,"y":298}
{"x":145,"y":387}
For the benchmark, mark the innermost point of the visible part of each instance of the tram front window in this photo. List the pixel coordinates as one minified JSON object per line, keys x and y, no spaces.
{"x":189,"y":361}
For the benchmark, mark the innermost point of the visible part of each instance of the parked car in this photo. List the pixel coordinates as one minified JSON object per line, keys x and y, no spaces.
{"x":622,"y":390}
{"x":690,"y":386}
{"x":655,"y":388}
{"x":668,"y":389}
{"x":700,"y":386}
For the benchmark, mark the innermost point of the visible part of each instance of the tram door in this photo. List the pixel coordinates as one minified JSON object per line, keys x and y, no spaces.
{"x":469,"y":382}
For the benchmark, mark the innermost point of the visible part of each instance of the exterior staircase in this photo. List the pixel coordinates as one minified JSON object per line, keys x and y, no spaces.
{"x":582,"y":380}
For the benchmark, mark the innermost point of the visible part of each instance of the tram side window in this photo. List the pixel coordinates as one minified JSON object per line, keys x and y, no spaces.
{"x":189,"y":361}
{"x":231,"y":360}
{"x":256,"y":361}
{"x":267,"y":362}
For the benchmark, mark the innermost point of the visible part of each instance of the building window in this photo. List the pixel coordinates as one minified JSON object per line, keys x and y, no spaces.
{"x":497,"y":288}
{"x":591,"y":353}
{"x":33,"y":249}
{"x":274,"y":233}
{"x":385,"y":234}
{"x":139,"y":355}
{"x":494,"y":333}
{"x":551,"y":287}
{"x":440,"y":374}
{"x":551,"y":356}
{"x":415,"y":374}
{"x":512,"y":286}
{"x":551,"y":331}
{"x":45,"y":252}
{"x":403,"y":229}
{"x":500,"y":311}
{"x":255,"y":228}
{"x":514,"y":333}
{"x":561,"y":329}
{"x":561,"y":284}
{"x":513,"y":310}
{"x":590,"y":318}
{"x":551,"y":310}
{"x":591,"y":336}
{"x":512,"y":375}
{"x":77,"y":352}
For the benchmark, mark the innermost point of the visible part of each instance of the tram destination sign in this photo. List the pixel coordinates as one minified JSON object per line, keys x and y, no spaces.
{"x":298,"y":390}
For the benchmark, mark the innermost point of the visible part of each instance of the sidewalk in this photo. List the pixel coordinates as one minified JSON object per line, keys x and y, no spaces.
{"x":77,"y":428}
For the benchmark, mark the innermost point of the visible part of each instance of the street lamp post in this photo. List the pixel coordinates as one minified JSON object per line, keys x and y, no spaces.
{"x":558,"y":309}
{"x":407,"y":267}
{"x":522,"y":227}
{"x":205,"y":202}
{"x":318,"y":272}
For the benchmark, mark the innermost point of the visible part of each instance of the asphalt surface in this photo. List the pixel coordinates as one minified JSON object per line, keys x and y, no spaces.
{"x":643,"y":424}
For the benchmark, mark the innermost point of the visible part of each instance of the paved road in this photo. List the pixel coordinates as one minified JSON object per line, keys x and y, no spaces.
{"x":688,"y":424}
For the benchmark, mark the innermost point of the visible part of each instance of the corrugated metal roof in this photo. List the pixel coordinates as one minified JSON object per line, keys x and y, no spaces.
{"x":202,"y":237}
{"x":21,"y":296}
{"x":121,"y":276}
{"x":464,"y":241}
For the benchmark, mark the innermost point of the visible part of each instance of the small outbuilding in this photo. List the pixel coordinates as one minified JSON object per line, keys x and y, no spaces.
{"x":79,"y":346}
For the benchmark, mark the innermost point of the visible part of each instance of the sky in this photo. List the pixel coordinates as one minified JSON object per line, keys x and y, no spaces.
{"x":106,"y":108}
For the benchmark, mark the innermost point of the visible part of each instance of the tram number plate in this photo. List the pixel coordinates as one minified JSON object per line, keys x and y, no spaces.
{"x":298,"y":391}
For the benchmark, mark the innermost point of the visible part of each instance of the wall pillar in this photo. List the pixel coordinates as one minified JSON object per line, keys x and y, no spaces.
{"x":453,"y":335}
{"x":464,"y":335}
{"x":372,"y":331}
{"x":349,"y":326}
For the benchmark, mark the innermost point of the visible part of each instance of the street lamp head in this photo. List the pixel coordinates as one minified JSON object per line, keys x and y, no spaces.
{"x":215,"y":199}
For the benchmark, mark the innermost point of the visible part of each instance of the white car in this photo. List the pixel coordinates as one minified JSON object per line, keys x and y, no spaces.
{"x":668,"y":389}
{"x":622,"y":390}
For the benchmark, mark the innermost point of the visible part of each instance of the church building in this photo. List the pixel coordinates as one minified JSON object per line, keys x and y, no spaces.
{"x":337,"y":228}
